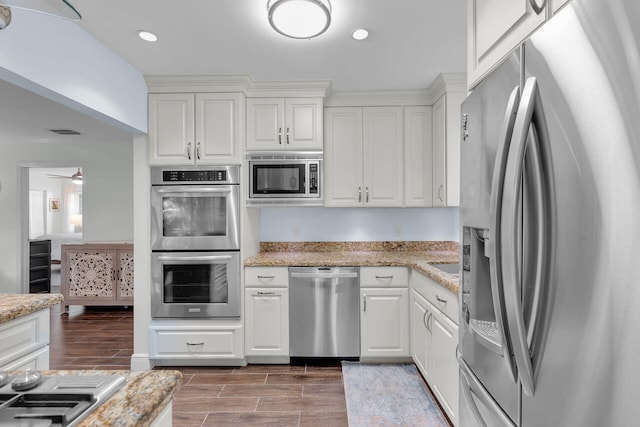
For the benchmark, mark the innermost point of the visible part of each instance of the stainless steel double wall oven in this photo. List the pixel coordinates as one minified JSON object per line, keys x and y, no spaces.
{"x":195,"y":237}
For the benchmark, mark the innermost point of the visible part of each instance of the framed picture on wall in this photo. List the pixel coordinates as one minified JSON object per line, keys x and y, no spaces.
{"x":54,"y":204}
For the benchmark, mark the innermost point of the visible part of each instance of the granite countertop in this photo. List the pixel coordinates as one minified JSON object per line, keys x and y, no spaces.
{"x":417,"y":255}
{"x":13,"y":306}
{"x":137,"y":403}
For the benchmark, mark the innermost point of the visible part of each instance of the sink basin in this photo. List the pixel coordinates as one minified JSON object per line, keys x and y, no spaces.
{"x":448,"y":268}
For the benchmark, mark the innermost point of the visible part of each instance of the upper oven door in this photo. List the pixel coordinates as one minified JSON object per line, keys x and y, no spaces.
{"x":278,"y":179}
{"x":195,"y":217}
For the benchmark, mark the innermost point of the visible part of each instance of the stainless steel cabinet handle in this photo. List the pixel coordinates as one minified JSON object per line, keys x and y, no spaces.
{"x":442,"y":300}
{"x":359,"y":194}
{"x":429,"y":328}
{"x":280,"y":136}
{"x":537,"y":9}
{"x":266,"y":277}
{"x":384,"y":277}
{"x":189,"y":151}
{"x":287,"y":136}
{"x":194,"y":344}
{"x":260,"y":293}
{"x":440,"y":193}
{"x":424,"y":319}
{"x":367,"y":194}
{"x":364,"y":303}
{"x":198,"y":150}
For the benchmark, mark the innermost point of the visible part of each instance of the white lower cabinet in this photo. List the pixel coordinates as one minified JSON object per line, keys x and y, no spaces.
{"x":25,"y":342}
{"x":266,"y":318}
{"x":267,"y":322}
{"x":384,"y":312}
{"x":434,"y":339}
{"x":195,"y":342}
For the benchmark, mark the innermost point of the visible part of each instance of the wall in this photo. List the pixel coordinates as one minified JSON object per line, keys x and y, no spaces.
{"x":59,"y":60}
{"x":356,"y":224}
{"x":107,"y":194}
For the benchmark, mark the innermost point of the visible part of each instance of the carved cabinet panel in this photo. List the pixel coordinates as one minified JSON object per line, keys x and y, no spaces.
{"x":97,"y":274}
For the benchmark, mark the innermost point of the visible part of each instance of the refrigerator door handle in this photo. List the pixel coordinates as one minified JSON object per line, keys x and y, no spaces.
{"x":473,"y":389}
{"x":494,"y":241}
{"x":524,"y":351}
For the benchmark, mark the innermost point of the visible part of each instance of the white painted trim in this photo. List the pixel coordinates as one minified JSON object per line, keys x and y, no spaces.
{"x":141,"y":362}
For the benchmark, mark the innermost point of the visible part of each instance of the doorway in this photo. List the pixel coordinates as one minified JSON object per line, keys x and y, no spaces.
{"x":54,"y":204}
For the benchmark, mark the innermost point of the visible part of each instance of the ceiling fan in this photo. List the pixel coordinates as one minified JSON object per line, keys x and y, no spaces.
{"x":59,"y":8}
{"x":76,"y":178}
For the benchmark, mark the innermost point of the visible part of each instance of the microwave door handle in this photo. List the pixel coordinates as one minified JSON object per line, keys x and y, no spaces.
{"x":195,"y":258}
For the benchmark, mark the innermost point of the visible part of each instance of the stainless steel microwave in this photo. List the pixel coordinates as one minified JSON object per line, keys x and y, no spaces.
{"x":285,"y":178}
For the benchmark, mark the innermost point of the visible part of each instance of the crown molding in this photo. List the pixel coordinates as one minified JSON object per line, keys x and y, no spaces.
{"x":243,"y":83}
{"x":447,"y":82}
{"x":377,"y":98}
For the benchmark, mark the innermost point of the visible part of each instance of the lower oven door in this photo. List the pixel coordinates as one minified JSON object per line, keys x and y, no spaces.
{"x":195,"y":284}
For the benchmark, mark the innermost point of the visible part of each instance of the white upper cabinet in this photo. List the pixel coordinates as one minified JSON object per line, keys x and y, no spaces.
{"x":284,"y":124}
{"x":363,"y":156}
{"x":495,"y":28}
{"x":418,"y":155}
{"x":446,"y":149}
{"x":191,"y":129}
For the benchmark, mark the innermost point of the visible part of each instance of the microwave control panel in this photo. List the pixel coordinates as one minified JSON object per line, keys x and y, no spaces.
{"x":313,"y":178}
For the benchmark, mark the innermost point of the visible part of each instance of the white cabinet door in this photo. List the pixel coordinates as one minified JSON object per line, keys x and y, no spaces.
{"x":439,"y":152}
{"x":495,"y":28}
{"x":418,"y":153}
{"x":420,"y":334}
{"x":446,"y":149}
{"x":445,"y":365}
{"x":284,"y":124}
{"x":343,"y":157}
{"x":303,"y":123}
{"x":266,"y":322}
{"x":171,"y":130}
{"x":219,"y":126}
{"x":384,"y":317}
{"x":264,"y":123}
{"x":192,"y":129}
{"x":383,"y":156}
{"x":363,"y":157}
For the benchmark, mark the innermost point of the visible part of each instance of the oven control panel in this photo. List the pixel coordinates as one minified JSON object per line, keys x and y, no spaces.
{"x":195,"y":175}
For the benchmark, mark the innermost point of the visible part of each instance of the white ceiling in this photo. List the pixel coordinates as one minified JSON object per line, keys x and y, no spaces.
{"x":410,"y":42}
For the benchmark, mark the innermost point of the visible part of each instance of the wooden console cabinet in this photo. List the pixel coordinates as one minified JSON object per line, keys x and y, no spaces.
{"x":97,"y":274}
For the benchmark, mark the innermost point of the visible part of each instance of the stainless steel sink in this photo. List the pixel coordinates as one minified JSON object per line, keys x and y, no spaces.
{"x":57,"y":400}
{"x":448,"y":268}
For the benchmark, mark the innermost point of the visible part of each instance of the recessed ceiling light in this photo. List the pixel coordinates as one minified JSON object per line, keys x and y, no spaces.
{"x":147,"y":36}
{"x":360,"y":34}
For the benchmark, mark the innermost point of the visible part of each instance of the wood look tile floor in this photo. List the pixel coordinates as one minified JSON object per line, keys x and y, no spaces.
{"x":255,"y":395}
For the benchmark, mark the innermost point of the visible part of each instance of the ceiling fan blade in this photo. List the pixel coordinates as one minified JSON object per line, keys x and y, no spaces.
{"x":59,"y":8}
{"x":51,"y":175}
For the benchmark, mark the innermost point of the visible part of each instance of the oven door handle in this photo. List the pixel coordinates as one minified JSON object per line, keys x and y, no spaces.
{"x":198,"y":189}
{"x":195,"y":258}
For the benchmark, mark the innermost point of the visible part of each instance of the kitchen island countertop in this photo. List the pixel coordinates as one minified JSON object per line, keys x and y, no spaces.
{"x":418,"y":255}
{"x":138,"y":403}
{"x":13,"y":306}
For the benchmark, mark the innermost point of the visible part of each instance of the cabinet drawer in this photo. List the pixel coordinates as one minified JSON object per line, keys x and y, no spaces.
{"x":37,"y":361}
{"x":269,"y":277}
{"x":442,"y":298}
{"x":23,"y":335}
{"x":187,"y":343}
{"x":387,"y":277}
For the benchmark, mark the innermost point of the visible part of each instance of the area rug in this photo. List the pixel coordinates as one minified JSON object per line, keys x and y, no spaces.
{"x":388,"y":395}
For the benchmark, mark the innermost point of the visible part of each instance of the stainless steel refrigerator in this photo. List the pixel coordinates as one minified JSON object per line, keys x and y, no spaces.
{"x":550,"y":222}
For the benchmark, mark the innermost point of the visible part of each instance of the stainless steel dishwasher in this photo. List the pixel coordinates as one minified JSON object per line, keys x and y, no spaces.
{"x":324,"y":312}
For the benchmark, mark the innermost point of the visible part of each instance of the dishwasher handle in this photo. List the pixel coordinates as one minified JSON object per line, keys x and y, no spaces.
{"x":325,"y":275}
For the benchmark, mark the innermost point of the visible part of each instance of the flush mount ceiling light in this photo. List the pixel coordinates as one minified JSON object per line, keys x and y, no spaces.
{"x":147,"y":36}
{"x":299,"y":19}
